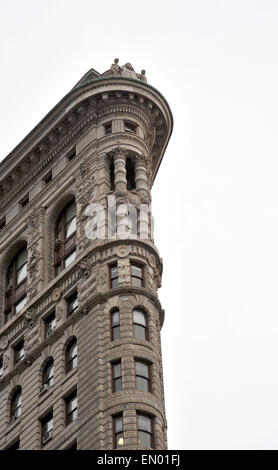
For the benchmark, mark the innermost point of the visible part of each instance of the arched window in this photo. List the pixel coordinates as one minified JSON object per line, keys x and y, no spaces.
{"x":71,"y":355}
{"x":48,"y":374}
{"x":16,"y":404}
{"x":115,"y":324}
{"x":65,"y":238}
{"x":16,"y":280}
{"x":140,"y":324}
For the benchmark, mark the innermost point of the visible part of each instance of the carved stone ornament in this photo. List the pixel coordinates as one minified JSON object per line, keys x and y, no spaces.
{"x":56,"y":294}
{"x":29,"y":318}
{"x":85,"y":268}
{"x":4,"y":342}
{"x":122,"y":251}
{"x":29,"y":360}
{"x":152,"y":261}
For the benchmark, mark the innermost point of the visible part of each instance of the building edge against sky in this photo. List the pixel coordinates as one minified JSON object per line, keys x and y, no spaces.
{"x":80,"y":319}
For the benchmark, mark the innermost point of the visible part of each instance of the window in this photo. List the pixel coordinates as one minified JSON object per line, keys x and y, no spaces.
{"x":108,"y":128}
{"x":19,"y":352}
{"x":130,"y":174}
{"x":71,"y":407}
{"x":118,"y":431}
{"x":48,"y":374}
{"x":24,"y":201}
{"x":1,"y":368}
{"x":50,"y":324}
{"x":16,"y":404}
{"x":70,"y":156}
{"x":116,"y":376}
{"x":130,"y":127}
{"x":72,"y":303}
{"x":65,"y":233}
{"x":16,"y":279}
{"x":47,"y":427}
{"x":145,"y":430}
{"x":72,"y":446}
{"x":2,"y":223}
{"x":112,"y":175}
{"x":113,"y":275}
{"x":137,"y":275}
{"x":14,"y":446}
{"x":140,"y":325}
{"x":48,"y":178}
{"x":143,"y":375}
{"x":71,"y":355}
{"x":115,"y":324}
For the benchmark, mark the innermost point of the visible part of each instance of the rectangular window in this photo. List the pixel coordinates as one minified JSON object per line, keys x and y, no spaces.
{"x":71,"y":407}
{"x":108,"y":128}
{"x":14,"y":446}
{"x":118,"y":433}
{"x":114,"y":275}
{"x":2,"y":223}
{"x":143,"y":375}
{"x":19,"y":352}
{"x":70,"y":259}
{"x":50,"y":324}
{"x":137,"y":275}
{"x":47,"y":428}
{"x":116,"y":376}
{"x":145,"y":430}
{"x":115,"y":324}
{"x":130,"y":127}
{"x":24,"y":201}
{"x":1,"y":368}
{"x":48,"y":178}
{"x":72,"y":303}
{"x":19,"y":306}
{"x":70,"y":156}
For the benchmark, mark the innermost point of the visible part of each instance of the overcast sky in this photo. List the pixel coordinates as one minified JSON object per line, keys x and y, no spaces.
{"x":215,"y":198}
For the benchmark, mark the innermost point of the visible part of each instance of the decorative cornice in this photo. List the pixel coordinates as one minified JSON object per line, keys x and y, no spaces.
{"x":59,"y":126}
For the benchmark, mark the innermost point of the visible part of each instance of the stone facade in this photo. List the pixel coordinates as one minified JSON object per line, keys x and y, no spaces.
{"x":100,"y":146}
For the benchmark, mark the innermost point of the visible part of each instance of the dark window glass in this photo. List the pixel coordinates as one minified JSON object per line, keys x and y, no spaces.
{"x":137,"y":275}
{"x":108,"y":128}
{"x":71,"y":355}
{"x":71,"y":407}
{"x":130,"y":174}
{"x":112,"y":175}
{"x":140,"y":326}
{"x":50,"y":324}
{"x":19,"y":352}
{"x":72,"y":302}
{"x":16,"y":279}
{"x":129,"y":127}
{"x":14,"y":446}
{"x":48,"y":178}
{"x":16,"y":404}
{"x":65,"y":234}
{"x":1,"y":368}
{"x":116,"y":376}
{"x":24,"y":201}
{"x":48,"y":374}
{"x":47,"y":428}
{"x":118,"y":431}
{"x":145,"y":430}
{"x":114,"y":275}
{"x":115,"y":324}
{"x":142,"y":371}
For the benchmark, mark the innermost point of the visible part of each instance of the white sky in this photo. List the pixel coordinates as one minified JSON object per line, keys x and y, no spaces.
{"x":215,"y":198}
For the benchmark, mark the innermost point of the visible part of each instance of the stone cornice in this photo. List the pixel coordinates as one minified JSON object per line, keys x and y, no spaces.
{"x":42,"y":301}
{"x":57,"y":123}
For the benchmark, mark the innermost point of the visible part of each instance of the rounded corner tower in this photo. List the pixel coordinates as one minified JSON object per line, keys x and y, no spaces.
{"x":80,"y":351}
